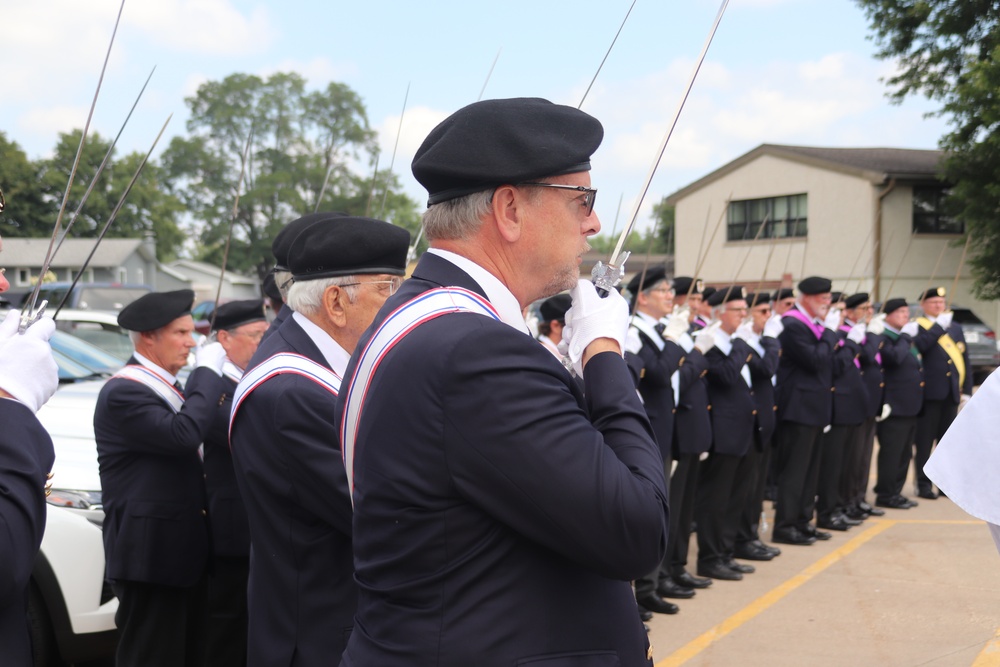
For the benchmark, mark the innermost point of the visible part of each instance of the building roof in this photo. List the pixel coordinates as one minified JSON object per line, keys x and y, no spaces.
{"x":185,"y":266}
{"x":877,"y":165}
{"x":72,"y":253}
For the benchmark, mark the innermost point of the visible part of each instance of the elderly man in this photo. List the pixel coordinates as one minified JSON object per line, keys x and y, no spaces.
{"x":239,"y":327}
{"x":805,"y":409}
{"x":28,"y":377}
{"x":947,"y":373}
{"x":302,"y":594}
{"x":148,"y":433}
{"x":499,"y":515}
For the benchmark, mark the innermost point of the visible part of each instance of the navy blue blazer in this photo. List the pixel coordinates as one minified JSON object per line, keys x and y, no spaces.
{"x":227,"y":515}
{"x":302,"y":594}
{"x":762,"y":370}
{"x":940,"y":373}
{"x":278,"y":320}
{"x":850,"y":396}
{"x":871,"y":372}
{"x":904,"y":377}
{"x":27,"y":456}
{"x":693,"y":424}
{"x":499,"y":514}
{"x":654,"y":386}
{"x":805,"y":374}
{"x":733,"y":409}
{"x":156,"y":524}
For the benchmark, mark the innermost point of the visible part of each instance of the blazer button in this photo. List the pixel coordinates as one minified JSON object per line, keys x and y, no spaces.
{"x":833,"y":389}
{"x":776,"y":408}
{"x":949,"y":362}
{"x":710,"y":407}
{"x":922,"y":383}
{"x":881,"y":384}
{"x":673,"y":411}
{"x":948,"y":374}
{"x":754,"y":412}
{"x":204,"y":512}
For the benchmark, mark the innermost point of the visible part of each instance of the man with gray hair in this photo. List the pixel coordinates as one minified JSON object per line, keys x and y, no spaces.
{"x":302,"y":594}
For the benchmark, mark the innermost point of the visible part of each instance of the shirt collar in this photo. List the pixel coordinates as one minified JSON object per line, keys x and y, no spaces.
{"x":336,"y":356}
{"x":170,"y":379}
{"x":647,"y":318}
{"x":496,"y":292}
{"x":806,"y":313}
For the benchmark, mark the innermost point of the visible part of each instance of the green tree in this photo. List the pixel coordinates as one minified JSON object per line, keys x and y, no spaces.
{"x":663,"y":213}
{"x":949,"y":51}
{"x":27,"y":212}
{"x":302,"y":141}
{"x":148,"y":207}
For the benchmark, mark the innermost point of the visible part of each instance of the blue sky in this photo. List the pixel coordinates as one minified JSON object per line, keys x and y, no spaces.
{"x":779,"y":71}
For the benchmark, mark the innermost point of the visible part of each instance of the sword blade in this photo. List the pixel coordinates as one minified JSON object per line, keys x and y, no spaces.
{"x":604,"y":59}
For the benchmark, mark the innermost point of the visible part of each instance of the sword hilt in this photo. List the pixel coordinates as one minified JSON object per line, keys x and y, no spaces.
{"x":607,"y":276}
{"x":29,"y":317}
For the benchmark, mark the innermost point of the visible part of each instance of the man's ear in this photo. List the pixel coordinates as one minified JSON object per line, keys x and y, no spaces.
{"x":509,"y":211}
{"x":335,"y":304}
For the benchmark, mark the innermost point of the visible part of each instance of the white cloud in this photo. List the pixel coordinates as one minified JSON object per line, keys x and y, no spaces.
{"x":202,"y":26}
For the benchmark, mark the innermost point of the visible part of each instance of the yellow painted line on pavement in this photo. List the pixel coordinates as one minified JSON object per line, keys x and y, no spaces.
{"x":990,"y":655}
{"x":772,"y":597}
{"x":957,"y":522}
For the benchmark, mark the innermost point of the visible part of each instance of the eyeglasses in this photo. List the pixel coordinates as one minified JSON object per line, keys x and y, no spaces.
{"x":393,"y":284}
{"x":589,"y":194}
{"x":256,"y":336}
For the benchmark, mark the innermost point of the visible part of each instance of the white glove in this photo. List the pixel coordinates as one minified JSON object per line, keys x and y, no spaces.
{"x":8,"y":328}
{"x":27,"y":370}
{"x":677,"y":326}
{"x":632,"y":341}
{"x":683,"y":312}
{"x":857,"y":333}
{"x":910,"y":329}
{"x":210,"y":356}
{"x":944,"y":319}
{"x":591,"y":317}
{"x":877,"y":324}
{"x":704,"y":339}
{"x":886,"y":411}
{"x":745,"y":331}
{"x":832,"y":321}
{"x":773,"y":327}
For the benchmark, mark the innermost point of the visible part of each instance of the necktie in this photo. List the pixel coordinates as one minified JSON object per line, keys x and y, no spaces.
{"x":178,"y":386}
{"x":660,"y":327}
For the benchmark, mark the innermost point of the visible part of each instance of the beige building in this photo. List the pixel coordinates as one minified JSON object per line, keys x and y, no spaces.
{"x":867,"y":218}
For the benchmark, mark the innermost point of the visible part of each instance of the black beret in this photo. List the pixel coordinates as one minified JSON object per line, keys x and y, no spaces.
{"x":758,"y":298}
{"x":932,"y":292}
{"x":726,"y":294}
{"x":284,"y":239}
{"x":784,"y":293}
{"x":815,"y":285}
{"x":555,"y":307}
{"x":682,"y":284}
{"x":708,"y":292}
{"x":345,"y":246}
{"x":653,"y":275}
{"x":270,"y":288}
{"x":156,"y":309}
{"x":836,"y":297}
{"x":233,"y":314}
{"x":892,"y":305}
{"x":487,"y":144}
{"x":856,"y":300}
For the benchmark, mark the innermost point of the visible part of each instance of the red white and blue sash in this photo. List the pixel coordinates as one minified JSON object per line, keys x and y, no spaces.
{"x":281,"y":364}
{"x":168,"y":392}
{"x":424,"y":308}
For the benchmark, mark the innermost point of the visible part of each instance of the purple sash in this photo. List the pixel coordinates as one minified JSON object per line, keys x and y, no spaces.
{"x":817,"y":329}
{"x":847,"y":329}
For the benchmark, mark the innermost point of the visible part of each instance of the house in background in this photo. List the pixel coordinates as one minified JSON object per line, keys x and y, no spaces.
{"x":869,"y":219}
{"x":204,"y":280}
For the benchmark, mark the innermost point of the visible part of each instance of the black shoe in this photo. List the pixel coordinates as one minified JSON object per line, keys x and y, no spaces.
{"x":750,"y":551}
{"x":894,"y":502}
{"x":849,"y":520}
{"x":668,"y":588}
{"x":906,"y":501}
{"x":718,"y":570}
{"x":855,"y":513}
{"x":874,"y":511}
{"x":646,"y":628}
{"x":688,"y":580}
{"x":927,"y":493}
{"x":742,"y":568}
{"x":819,"y":534}
{"x":792,"y":536}
{"x":835,"y":523}
{"x":655,"y":603}
{"x":774,"y":551}
{"x":645,"y":615}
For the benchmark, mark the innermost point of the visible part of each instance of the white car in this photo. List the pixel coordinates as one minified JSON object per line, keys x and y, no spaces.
{"x":99,"y":328}
{"x":71,"y":608}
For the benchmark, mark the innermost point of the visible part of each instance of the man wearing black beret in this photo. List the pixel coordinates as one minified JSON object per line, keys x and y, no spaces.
{"x":156,"y":540}
{"x":948,"y":376}
{"x":784,"y":298}
{"x":805,"y":408}
{"x":239,"y":327}
{"x":302,"y":594}
{"x":703,"y":314}
{"x":902,"y":402}
{"x":499,"y":515}
{"x":553,"y":319}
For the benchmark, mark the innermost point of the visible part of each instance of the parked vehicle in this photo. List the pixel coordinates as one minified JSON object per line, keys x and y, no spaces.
{"x":111,"y":297}
{"x":98,"y":328}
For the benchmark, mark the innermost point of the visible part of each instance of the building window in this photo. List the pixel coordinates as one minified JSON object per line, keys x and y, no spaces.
{"x":23,"y":277}
{"x":929,"y":213}
{"x":785,"y":216}
{"x":87,"y":277}
{"x":122,"y":275}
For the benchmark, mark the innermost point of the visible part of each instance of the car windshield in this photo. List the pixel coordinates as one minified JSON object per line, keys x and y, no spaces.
{"x":109,"y":337}
{"x":108,"y":298}
{"x":84,"y":355}
{"x":70,"y":370}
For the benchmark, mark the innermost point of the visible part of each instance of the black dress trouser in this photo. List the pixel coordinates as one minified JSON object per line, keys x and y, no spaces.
{"x":797,"y":468}
{"x":934,"y":420}
{"x":160,"y":626}
{"x":895,"y":442}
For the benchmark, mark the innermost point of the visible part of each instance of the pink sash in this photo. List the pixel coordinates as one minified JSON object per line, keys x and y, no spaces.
{"x":817,"y":329}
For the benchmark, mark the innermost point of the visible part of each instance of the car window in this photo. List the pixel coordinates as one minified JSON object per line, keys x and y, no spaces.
{"x":107,"y":298}
{"x":84,"y":354}
{"x":69,"y":370}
